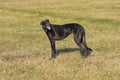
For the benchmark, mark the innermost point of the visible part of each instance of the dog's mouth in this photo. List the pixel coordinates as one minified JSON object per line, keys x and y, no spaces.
{"x":42,"y":23}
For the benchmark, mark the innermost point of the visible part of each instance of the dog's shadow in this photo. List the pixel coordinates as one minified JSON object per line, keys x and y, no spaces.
{"x":67,"y":50}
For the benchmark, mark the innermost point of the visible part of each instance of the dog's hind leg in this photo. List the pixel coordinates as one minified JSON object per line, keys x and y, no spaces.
{"x":77,"y":39}
{"x":83,"y":41}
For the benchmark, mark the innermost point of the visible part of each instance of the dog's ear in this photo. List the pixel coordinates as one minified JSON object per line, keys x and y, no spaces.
{"x":47,"y":20}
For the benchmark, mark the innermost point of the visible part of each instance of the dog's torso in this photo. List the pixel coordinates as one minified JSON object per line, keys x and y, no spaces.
{"x":59,"y":32}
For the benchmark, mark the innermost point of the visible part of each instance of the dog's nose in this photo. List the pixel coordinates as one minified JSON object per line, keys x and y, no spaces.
{"x":41,"y":22}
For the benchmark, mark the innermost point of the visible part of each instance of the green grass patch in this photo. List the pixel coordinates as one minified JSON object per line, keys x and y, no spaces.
{"x":25,"y":50}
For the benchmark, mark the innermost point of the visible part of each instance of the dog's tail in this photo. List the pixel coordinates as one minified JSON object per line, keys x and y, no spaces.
{"x":84,"y":42}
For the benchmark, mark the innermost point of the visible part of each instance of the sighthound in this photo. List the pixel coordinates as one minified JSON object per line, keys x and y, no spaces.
{"x":59,"y":32}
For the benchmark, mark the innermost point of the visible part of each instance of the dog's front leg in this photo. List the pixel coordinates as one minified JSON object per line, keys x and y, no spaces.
{"x":53,"y":49}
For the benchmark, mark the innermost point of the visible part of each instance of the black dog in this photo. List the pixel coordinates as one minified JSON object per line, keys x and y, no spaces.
{"x":59,"y":32}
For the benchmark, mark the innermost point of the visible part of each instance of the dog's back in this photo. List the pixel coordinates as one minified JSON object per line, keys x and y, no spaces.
{"x":71,"y":26}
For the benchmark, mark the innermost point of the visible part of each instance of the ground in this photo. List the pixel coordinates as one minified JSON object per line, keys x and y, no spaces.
{"x":25,"y":50}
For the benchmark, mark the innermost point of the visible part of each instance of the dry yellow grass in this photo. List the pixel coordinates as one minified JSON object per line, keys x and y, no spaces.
{"x":25,"y":49}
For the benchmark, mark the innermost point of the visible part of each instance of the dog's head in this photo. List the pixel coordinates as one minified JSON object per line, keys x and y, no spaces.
{"x":45,"y":24}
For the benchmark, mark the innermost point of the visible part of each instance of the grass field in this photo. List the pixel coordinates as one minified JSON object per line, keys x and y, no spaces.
{"x":25,"y":49}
